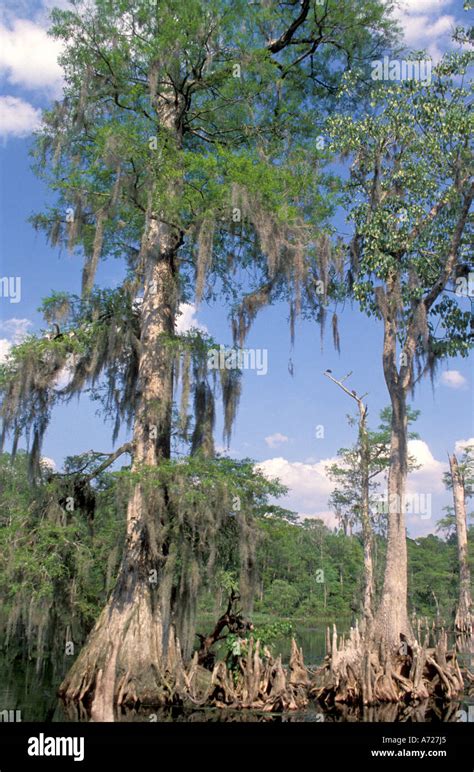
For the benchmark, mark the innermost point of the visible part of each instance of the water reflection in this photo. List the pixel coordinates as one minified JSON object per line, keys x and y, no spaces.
{"x":428,"y":711}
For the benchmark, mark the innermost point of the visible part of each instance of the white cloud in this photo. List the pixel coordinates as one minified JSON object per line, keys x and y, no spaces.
{"x":276,"y":439}
{"x":308,"y":484}
{"x":421,"y":30}
{"x":5,"y":347}
{"x":17,"y":117}
{"x":429,"y":477}
{"x":421,"y":6}
{"x":328,"y":517}
{"x":16,"y":330}
{"x":461,"y":445}
{"x":187,"y":319}
{"x":424,"y":26}
{"x":454,"y":379}
{"x":29,"y":56}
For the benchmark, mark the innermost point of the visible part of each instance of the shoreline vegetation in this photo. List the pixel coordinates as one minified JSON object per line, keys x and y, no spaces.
{"x":44,"y":613}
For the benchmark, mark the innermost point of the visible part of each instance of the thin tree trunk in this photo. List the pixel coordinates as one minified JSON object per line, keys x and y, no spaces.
{"x":365,"y":518}
{"x":463,"y":620}
{"x":367,"y":538}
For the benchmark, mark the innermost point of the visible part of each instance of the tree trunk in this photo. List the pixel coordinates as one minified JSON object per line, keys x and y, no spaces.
{"x":391,"y":621}
{"x":148,"y":658}
{"x":392,"y":615}
{"x":463,"y":620}
{"x":365,"y":518}
{"x":132,"y":615}
{"x":364,"y":471}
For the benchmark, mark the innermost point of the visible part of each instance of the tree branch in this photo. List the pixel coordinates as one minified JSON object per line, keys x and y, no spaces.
{"x":111,"y":457}
{"x":125,"y":448}
{"x":278,"y":45}
{"x":362,"y":407}
{"x":440,"y":284}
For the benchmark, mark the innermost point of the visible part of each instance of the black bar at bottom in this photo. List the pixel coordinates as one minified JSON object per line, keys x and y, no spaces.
{"x":129,"y":746}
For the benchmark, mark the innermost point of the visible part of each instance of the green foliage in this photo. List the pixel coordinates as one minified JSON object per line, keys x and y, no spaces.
{"x":283,"y":597}
{"x":432,"y":577}
{"x":408,"y":197}
{"x":346,"y":498}
{"x":57,"y":566}
{"x":269,"y":633}
{"x":250,"y":105}
{"x":61,"y":541}
{"x":56,"y":563}
{"x":290,"y":555}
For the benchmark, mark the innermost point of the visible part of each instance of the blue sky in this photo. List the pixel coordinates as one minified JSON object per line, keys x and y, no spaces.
{"x":278,"y":413}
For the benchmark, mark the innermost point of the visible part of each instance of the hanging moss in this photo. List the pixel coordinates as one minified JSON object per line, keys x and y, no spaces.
{"x":204,"y":416}
{"x":99,"y":340}
{"x":52,"y":568}
{"x":231,"y":384}
{"x":204,"y":255}
{"x":92,"y":260}
{"x":185,"y":391}
{"x":335,"y":333}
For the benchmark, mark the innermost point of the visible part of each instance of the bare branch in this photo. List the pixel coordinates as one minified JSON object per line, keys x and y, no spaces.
{"x":127,"y":447}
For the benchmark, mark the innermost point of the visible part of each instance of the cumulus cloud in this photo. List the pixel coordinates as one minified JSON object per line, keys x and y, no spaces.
{"x":429,"y":477}
{"x":453,"y":379}
{"x":276,"y":439}
{"x":425,"y":25}
{"x":422,"y":6}
{"x":17,"y":117}
{"x":29,"y":56}
{"x":15,"y":331}
{"x":49,"y":463}
{"x":329,"y":518}
{"x":187,"y":319}
{"x":5,"y":347}
{"x":308,"y":486}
